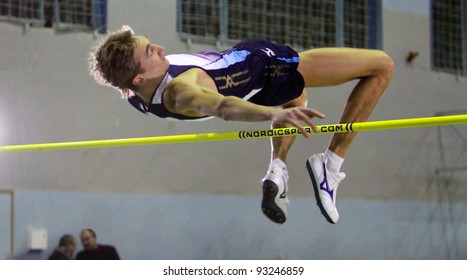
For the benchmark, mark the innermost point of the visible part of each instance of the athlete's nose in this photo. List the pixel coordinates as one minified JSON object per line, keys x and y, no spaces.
{"x":158,"y":48}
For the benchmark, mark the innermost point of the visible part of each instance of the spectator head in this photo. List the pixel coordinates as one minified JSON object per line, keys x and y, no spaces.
{"x":68,"y":243}
{"x":88,"y":239}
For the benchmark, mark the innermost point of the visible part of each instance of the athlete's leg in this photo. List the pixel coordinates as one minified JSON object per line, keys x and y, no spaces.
{"x":333,"y":66}
{"x":281,"y":145}
{"x":274,"y":202}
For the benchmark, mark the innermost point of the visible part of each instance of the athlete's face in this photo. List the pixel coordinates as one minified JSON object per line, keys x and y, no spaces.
{"x":152,"y":60}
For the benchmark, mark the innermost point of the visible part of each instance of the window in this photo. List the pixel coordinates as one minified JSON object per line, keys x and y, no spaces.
{"x":362,"y":24}
{"x":449,"y":35}
{"x":300,"y":23}
{"x":60,"y":14}
{"x":199,"y":18}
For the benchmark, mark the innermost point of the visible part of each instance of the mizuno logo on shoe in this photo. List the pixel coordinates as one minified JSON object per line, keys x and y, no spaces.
{"x":324,"y":185}
{"x":284,"y":193}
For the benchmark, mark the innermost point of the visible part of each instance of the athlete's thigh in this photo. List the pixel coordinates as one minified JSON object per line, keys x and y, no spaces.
{"x":301,"y":101}
{"x":333,"y":66}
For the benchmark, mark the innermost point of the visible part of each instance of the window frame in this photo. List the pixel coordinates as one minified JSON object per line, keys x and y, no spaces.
{"x":48,"y":13}
{"x":374,"y":40}
{"x":463,"y":43}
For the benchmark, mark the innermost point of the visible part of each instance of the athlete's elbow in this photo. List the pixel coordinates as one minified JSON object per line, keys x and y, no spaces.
{"x":225,"y":108}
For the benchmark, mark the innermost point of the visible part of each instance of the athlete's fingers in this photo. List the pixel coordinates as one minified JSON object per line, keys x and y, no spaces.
{"x":310,"y":113}
{"x":315,"y":113}
{"x":302,"y":116}
{"x":301,"y":128}
{"x":308,"y":120}
{"x":298,"y":117}
{"x":318,"y":114}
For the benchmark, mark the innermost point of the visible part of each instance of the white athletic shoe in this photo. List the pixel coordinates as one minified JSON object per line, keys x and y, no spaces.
{"x":274,"y":203}
{"x":325,"y":185}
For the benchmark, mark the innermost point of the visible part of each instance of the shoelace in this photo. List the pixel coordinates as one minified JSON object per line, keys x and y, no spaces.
{"x":338,"y":180}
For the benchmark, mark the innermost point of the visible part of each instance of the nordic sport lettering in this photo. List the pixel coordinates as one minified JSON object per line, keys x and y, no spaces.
{"x":336,"y":128}
{"x":294,"y":131}
{"x":272,"y":133}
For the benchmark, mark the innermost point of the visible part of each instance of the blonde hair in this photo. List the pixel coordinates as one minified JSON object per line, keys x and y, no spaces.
{"x":112,"y":63}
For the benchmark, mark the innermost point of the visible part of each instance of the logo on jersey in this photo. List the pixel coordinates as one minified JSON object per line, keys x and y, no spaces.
{"x":230,"y":80}
{"x":269,"y":52}
{"x":276,"y":70}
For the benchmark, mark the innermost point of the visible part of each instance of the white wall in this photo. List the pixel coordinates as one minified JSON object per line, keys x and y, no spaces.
{"x":232,"y":227}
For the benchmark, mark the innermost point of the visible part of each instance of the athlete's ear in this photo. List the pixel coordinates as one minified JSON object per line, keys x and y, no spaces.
{"x":138,"y":80}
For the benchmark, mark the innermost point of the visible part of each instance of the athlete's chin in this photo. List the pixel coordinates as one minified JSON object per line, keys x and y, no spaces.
{"x":166,"y":64}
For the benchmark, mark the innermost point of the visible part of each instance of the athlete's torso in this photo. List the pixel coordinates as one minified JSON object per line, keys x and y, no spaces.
{"x":241,"y":71}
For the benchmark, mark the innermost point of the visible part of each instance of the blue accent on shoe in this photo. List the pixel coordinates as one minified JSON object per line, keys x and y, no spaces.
{"x":325,"y":182}
{"x":316,"y":190}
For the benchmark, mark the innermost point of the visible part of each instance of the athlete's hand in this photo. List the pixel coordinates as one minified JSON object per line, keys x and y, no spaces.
{"x":297,"y":116}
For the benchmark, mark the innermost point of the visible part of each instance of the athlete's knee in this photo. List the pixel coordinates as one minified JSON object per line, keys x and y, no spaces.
{"x":385,"y":68}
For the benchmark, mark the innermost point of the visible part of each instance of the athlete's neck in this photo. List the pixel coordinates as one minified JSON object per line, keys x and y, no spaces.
{"x":146,"y":91}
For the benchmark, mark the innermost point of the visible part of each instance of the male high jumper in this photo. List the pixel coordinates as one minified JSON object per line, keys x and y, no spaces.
{"x":253,"y":81}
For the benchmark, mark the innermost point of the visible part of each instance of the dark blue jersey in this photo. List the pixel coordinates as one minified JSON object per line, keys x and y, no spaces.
{"x":257,"y":71}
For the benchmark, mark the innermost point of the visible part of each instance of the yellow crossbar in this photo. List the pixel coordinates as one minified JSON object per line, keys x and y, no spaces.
{"x":247,"y":134}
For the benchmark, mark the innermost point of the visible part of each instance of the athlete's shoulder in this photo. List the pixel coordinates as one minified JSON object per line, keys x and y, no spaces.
{"x":198,"y":58}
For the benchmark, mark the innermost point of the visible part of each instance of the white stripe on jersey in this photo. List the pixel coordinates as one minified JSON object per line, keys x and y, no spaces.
{"x":210,"y":61}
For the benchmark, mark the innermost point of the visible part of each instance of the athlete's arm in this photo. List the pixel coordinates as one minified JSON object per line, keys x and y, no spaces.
{"x":184,"y":95}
